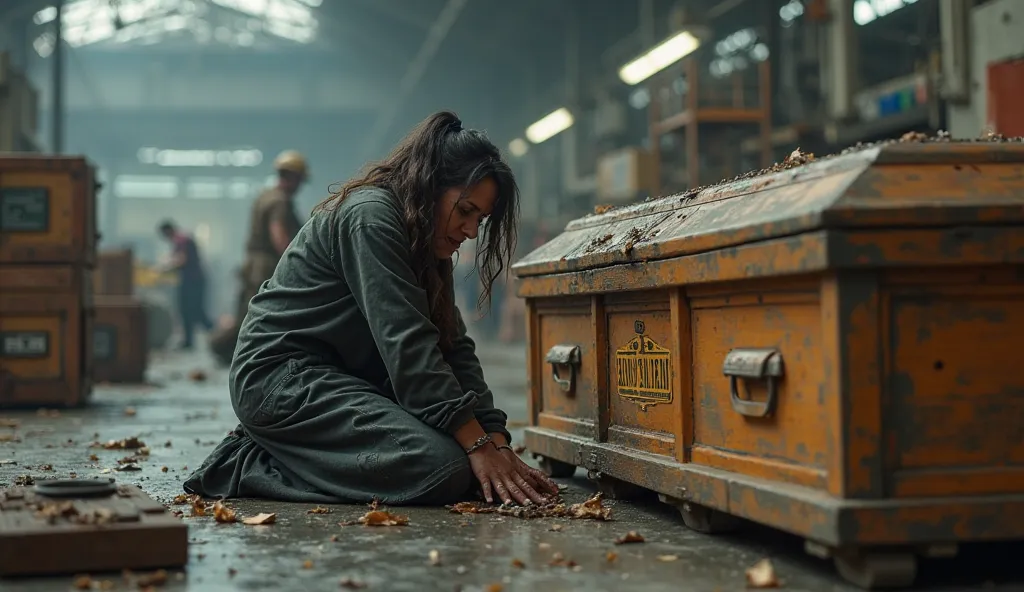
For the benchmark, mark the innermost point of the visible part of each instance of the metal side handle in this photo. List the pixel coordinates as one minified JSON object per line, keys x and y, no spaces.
{"x":754,"y":364}
{"x":564,"y":355}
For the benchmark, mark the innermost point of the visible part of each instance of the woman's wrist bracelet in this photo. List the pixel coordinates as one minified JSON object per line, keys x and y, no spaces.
{"x":480,"y":442}
{"x":506,"y":446}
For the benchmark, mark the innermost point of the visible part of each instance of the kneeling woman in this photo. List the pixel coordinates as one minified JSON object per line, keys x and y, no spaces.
{"x":353,"y":377}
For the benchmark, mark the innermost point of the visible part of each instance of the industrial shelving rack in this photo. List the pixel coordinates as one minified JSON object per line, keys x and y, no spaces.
{"x":708,"y":113}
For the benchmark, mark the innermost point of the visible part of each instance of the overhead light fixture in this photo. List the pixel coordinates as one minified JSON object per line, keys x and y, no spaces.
{"x":549,"y":126}
{"x":518,"y":147}
{"x":659,"y":58}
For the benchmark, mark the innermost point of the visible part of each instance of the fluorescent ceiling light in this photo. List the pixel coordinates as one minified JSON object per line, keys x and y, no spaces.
{"x":659,"y":58}
{"x":518,"y":147}
{"x":549,"y":126}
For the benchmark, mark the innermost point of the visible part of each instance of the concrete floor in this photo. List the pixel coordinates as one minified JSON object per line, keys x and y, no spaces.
{"x":475,"y":551}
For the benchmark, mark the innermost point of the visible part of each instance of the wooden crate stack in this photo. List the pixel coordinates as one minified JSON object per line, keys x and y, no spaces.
{"x":120,"y":344}
{"x":47,"y":253}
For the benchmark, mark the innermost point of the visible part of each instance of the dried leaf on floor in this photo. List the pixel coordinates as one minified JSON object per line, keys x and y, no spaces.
{"x":592,"y":509}
{"x":544,"y":546}
{"x":24,"y":480}
{"x":762,"y":575}
{"x":383,"y":518}
{"x":157,"y":578}
{"x":667,"y":558}
{"x":232,"y":572}
{"x":93,"y":458}
{"x":197,"y":376}
{"x":129,"y":467}
{"x":9,"y":422}
{"x":7,"y":461}
{"x":129,"y":411}
{"x":559,"y":560}
{"x":611,"y":556}
{"x":556,"y":528}
{"x":555,"y":508}
{"x":435,"y":557}
{"x":334,"y":538}
{"x":260,"y":519}
{"x":352,"y":584}
{"x":199,"y":507}
{"x":494,"y":588}
{"x":45,"y":468}
{"x":164,"y":469}
{"x":307,"y":564}
{"x":319,"y":510}
{"x":471,"y":508}
{"x":9,"y":438}
{"x":518,"y":563}
{"x":184,"y":498}
{"x":131,"y":443}
{"x":82,"y":583}
{"x":224,"y":514}
{"x":630,"y":537}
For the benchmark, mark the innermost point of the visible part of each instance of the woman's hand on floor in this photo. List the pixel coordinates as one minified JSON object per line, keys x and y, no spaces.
{"x":509,"y":477}
{"x":540,"y":482}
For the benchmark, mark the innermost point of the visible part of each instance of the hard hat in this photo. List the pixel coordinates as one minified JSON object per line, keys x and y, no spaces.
{"x":293,"y":162}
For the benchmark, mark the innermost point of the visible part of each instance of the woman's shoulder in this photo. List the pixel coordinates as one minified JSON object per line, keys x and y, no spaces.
{"x":369,"y":205}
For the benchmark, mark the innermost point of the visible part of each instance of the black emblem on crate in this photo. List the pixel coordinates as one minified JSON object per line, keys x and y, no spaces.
{"x":104,"y":342}
{"x":643,"y":370}
{"x":24,"y":209}
{"x":24,"y":344}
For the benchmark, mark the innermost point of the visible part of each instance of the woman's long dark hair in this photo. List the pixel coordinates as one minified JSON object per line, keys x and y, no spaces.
{"x":438,"y":155}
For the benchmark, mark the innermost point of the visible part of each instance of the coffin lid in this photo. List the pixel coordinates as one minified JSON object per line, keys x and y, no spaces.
{"x":900,"y":185}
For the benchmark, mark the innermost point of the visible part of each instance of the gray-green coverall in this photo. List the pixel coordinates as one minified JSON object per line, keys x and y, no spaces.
{"x":339,"y":384}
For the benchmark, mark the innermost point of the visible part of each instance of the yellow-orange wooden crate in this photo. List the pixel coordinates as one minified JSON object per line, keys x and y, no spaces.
{"x":832,"y":350}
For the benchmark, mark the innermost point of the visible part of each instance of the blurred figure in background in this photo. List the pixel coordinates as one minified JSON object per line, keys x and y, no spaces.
{"x":191,"y":300}
{"x":272,"y":225}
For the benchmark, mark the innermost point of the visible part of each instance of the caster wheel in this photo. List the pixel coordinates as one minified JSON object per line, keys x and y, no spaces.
{"x":615,"y":489}
{"x":555,"y":468}
{"x":877,"y":570}
{"x":702,"y":518}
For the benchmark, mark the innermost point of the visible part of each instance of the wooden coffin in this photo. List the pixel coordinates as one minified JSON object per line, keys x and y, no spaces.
{"x":105,"y":528}
{"x":114,"y":274}
{"x":120,"y":342}
{"x":45,"y":316}
{"x":47,"y":209}
{"x":832,"y":350}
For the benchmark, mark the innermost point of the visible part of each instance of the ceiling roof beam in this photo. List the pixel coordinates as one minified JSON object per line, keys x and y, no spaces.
{"x":435,"y":37}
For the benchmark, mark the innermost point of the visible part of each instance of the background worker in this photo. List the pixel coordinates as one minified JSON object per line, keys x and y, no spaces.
{"x":186,"y":262}
{"x":272,"y":225}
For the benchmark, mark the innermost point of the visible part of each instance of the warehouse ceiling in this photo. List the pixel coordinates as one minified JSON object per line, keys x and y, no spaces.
{"x":502,"y":64}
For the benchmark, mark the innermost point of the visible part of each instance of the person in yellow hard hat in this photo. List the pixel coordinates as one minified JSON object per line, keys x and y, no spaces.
{"x":272,"y":225}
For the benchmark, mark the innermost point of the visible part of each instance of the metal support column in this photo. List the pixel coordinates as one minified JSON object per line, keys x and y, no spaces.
{"x":57,"y":107}
{"x":840,"y":69}
{"x":572,"y":184}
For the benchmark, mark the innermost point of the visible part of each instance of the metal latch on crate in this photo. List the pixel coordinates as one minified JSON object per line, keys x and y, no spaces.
{"x":564,"y":355}
{"x":754,"y":364}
